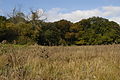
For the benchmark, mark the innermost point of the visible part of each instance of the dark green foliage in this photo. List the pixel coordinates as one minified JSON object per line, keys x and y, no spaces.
{"x":91,"y":31}
{"x":6,"y":33}
{"x":96,"y":30}
{"x":49,"y":35}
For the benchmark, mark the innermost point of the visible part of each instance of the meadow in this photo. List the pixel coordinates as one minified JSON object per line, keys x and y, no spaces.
{"x":99,"y":62}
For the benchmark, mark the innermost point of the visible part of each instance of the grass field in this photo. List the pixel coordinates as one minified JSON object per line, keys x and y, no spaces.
{"x":59,"y":63}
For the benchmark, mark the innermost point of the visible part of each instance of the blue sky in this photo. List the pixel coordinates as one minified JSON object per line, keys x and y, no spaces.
{"x":49,"y":4}
{"x":56,"y":9}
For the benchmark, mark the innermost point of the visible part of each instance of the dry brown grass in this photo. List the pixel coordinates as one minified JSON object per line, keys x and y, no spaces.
{"x":60,"y":63}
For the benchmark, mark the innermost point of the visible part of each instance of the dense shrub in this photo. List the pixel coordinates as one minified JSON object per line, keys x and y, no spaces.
{"x":91,"y":31}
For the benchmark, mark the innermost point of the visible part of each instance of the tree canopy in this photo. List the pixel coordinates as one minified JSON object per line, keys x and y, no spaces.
{"x":91,"y":31}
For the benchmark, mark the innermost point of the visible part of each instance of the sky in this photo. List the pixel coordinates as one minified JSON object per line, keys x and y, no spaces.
{"x":72,"y":10}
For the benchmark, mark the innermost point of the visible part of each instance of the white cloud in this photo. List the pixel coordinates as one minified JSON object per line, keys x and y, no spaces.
{"x":74,"y":16}
{"x":79,"y":14}
{"x":116,"y":19}
{"x":54,"y":14}
{"x":109,"y":12}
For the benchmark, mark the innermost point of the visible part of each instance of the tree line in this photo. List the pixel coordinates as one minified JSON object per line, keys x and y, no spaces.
{"x":92,"y":31}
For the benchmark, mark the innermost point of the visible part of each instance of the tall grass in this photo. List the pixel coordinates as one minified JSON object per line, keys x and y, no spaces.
{"x":60,"y":63}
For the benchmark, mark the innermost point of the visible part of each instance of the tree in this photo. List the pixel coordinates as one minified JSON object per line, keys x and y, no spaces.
{"x":96,"y":30}
{"x":2,"y":28}
{"x":50,"y":35}
{"x":16,"y":16}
